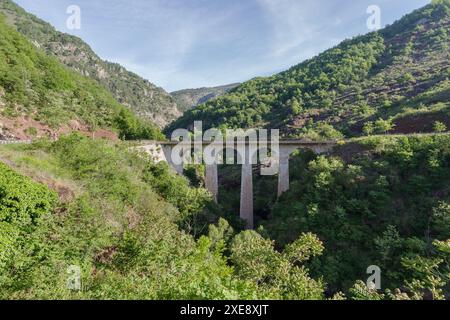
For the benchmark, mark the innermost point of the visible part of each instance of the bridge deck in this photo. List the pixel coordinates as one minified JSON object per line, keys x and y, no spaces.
{"x":266,"y":142}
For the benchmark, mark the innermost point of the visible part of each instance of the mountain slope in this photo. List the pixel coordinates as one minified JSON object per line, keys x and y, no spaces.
{"x":41,"y":97}
{"x":126,"y":224}
{"x":189,"y":98}
{"x":129,"y":89}
{"x":370,"y":82}
{"x":378,"y":200}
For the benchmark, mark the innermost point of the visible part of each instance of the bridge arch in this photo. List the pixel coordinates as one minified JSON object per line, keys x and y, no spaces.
{"x":278,"y":163}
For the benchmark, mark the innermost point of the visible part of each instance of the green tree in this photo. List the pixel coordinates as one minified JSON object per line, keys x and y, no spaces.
{"x":439,"y":126}
{"x":383,"y":126}
{"x":255,"y":259}
{"x":368,"y":128}
{"x":296,"y":108}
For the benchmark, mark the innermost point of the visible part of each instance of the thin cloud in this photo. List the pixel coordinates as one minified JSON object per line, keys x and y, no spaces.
{"x":180,"y":44}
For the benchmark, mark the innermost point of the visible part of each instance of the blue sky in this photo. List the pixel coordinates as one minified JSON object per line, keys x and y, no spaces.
{"x":179,"y":44}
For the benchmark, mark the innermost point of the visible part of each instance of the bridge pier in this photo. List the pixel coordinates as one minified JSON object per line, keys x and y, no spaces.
{"x":283,"y":171}
{"x":167,"y":150}
{"x":212,"y":180}
{"x":162,"y":151}
{"x":246,"y":210}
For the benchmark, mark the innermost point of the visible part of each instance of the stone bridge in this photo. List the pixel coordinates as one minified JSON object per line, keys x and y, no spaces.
{"x":162,"y":151}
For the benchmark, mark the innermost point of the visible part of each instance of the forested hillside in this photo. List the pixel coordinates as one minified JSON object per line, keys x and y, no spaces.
{"x":394,"y":80}
{"x":189,"y":98}
{"x":134,"y":92}
{"x":137,"y":231}
{"x":39,"y":96}
{"x":129,"y":225}
{"x":380,"y":201}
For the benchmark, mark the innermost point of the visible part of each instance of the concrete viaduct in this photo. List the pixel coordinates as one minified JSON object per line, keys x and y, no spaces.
{"x":162,"y":151}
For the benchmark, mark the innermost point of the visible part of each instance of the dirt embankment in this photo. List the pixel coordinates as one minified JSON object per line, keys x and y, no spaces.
{"x":25,"y":128}
{"x":410,"y":124}
{"x":423,"y":123}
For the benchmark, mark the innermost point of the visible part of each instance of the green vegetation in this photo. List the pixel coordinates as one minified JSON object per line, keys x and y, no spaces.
{"x":371,"y":78}
{"x":375,"y":201}
{"x":439,"y":127}
{"x":141,"y":96}
{"x":380,"y":126}
{"x":23,"y":202}
{"x":37,"y":85}
{"x":137,"y":230}
{"x":123,"y":226}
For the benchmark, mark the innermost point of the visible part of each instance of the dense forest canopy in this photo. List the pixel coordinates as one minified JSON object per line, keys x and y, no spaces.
{"x":387,"y":76}
{"x":137,"y":230}
{"x":139,"y":95}
{"x":128,"y":225}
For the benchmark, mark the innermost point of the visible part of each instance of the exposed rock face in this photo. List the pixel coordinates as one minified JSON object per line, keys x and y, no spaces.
{"x":189,"y":98}
{"x":140,"y":95}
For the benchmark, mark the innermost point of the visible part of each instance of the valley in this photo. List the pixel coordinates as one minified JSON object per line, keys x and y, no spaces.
{"x":78,"y":193}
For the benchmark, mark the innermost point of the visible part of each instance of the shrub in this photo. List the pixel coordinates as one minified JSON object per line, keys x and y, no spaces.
{"x":255,"y":259}
{"x":368,"y":128}
{"x":22,"y":201}
{"x":383,"y":126}
{"x":439,"y":127}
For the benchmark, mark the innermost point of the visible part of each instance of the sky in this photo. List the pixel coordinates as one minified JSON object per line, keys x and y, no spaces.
{"x":179,"y":44}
